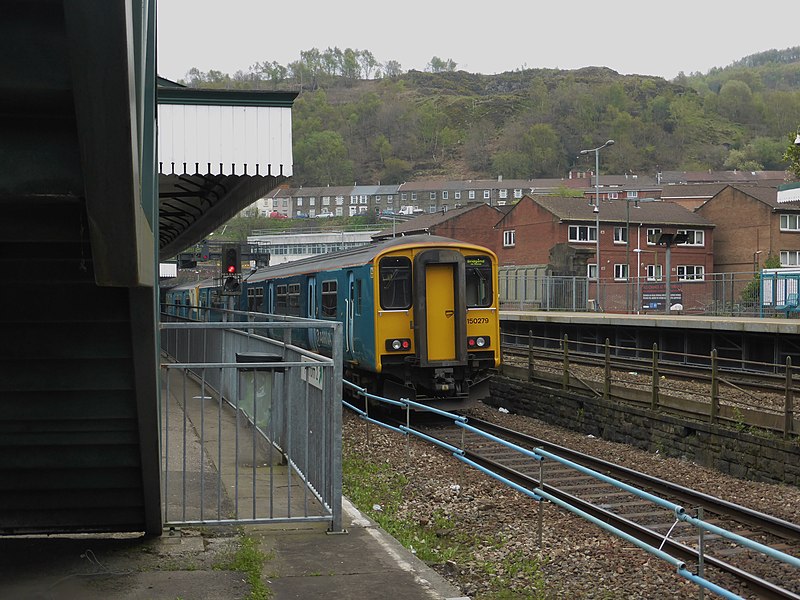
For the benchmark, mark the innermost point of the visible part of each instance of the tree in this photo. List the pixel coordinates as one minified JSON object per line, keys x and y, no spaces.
{"x":792,"y":155}
{"x":321,"y":158}
{"x":438,"y":65}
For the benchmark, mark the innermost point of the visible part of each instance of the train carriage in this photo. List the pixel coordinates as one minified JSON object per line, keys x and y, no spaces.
{"x":420,"y":313}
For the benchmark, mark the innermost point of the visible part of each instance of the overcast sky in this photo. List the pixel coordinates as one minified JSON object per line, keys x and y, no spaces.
{"x":488,"y":37}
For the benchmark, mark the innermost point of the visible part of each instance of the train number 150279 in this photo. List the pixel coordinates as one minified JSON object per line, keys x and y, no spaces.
{"x":477,"y":320}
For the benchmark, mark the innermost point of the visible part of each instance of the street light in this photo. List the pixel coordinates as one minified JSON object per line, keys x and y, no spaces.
{"x":755,"y":261}
{"x":597,"y":209}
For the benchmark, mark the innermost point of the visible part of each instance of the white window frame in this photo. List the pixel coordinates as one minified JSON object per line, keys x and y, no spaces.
{"x":432,"y":207}
{"x":620,"y":234}
{"x":472,"y":194}
{"x":339,"y":200}
{"x":487,"y":194}
{"x":433,"y":195}
{"x":299,"y":201}
{"x":591,"y":271}
{"x":518,"y":193}
{"x":620,"y":272}
{"x":612,"y":195}
{"x":413,"y":196}
{"x":632,"y":194}
{"x":458,"y":195}
{"x":312,"y":201}
{"x":509,"y":238}
{"x":326,"y":201}
{"x":690,"y":272}
{"x":790,"y":258}
{"x":652,"y":231}
{"x":503,"y":193}
{"x":654,"y":272}
{"x":574,"y":234}
{"x":693,"y":236}
{"x":790,"y":223}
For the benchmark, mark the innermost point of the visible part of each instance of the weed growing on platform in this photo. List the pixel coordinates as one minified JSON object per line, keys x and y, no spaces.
{"x":249,"y":559}
{"x":377,"y":491}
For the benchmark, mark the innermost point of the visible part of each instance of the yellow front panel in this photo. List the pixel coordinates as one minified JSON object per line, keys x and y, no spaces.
{"x":440,"y":312}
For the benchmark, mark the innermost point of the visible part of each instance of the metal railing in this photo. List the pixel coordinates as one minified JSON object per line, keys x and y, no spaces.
{"x":539,"y":493}
{"x":716,"y":294}
{"x":251,"y":422}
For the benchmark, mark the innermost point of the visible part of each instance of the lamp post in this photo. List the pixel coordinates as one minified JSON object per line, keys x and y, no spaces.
{"x":755,"y":261}
{"x":597,"y":210}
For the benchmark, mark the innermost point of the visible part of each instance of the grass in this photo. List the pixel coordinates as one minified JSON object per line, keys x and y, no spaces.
{"x":249,"y":560}
{"x":371,"y":484}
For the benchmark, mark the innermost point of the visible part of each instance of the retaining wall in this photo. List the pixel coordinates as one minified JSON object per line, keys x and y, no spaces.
{"x":729,"y":451}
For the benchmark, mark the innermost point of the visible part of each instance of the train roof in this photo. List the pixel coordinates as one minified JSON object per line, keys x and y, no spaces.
{"x":353,"y":257}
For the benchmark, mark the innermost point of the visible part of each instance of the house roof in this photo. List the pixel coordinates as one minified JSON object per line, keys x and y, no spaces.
{"x":655,"y":212}
{"x":425,"y":222}
{"x":768,"y":195}
{"x":691,"y":190}
{"x":667,"y":177}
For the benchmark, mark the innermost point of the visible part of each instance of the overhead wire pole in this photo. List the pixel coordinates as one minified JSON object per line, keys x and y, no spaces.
{"x":597,"y":212}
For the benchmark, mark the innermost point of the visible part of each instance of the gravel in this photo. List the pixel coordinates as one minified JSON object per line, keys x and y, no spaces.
{"x":576,"y":558}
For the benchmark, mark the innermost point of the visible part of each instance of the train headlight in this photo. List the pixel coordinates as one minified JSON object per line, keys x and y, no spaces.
{"x":398,"y":345}
{"x":479,"y":341}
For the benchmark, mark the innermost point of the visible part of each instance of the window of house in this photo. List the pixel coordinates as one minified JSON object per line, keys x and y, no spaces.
{"x":694,"y":237}
{"x":509,"y":238}
{"x":621,"y":272}
{"x":790,"y":258}
{"x":613,"y":195}
{"x":582,"y":233}
{"x":478,"y":281}
{"x":339,"y":200}
{"x":326,"y":201}
{"x":433,"y":195}
{"x":458,"y":195}
{"x":300,"y":201}
{"x":503,"y":194}
{"x":654,"y":273}
{"x":620,"y":235}
{"x":363,"y":199}
{"x":432,"y":207}
{"x":518,"y":193}
{"x":329,"y":298}
{"x":690,"y":272}
{"x":395,"y":282}
{"x":591,"y":270}
{"x":413,"y":196}
{"x":632,"y":194}
{"x":790,"y":222}
{"x":404,"y":196}
{"x":378,"y":199}
{"x":445,"y":194}
{"x":312,"y":201}
{"x":487,"y":194}
{"x":651,"y":235}
{"x":472,"y":194}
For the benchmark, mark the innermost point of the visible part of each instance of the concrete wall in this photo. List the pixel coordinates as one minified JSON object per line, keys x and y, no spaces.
{"x":738,"y":454}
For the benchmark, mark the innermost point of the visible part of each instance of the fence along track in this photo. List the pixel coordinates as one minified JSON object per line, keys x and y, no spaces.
{"x":640,"y":519}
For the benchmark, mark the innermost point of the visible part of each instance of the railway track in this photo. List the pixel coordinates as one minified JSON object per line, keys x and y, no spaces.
{"x":731,"y":566}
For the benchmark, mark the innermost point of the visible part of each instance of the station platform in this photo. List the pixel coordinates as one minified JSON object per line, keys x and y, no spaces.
{"x":364,"y":563}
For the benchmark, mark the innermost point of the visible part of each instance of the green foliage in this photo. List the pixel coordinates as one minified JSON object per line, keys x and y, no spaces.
{"x":249,"y":560}
{"x":359,"y":119}
{"x":792,"y":155}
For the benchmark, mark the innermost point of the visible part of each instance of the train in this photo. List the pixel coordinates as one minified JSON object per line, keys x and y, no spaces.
{"x":420,"y":313}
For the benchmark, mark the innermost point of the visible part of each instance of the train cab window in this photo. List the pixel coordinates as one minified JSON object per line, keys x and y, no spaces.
{"x":395,"y":282}
{"x":478,"y":281}
{"x":329,"y":298}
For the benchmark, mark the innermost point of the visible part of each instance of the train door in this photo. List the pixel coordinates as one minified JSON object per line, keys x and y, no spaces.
{"x":439,"y":307}
{"x":440,"y":311}
{"x":270,"y":299}
{"x":349,"y":312}
{"x":311,"y":309}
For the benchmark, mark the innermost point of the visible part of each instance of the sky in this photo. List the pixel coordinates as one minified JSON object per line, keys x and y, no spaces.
{"x":495,"y":36}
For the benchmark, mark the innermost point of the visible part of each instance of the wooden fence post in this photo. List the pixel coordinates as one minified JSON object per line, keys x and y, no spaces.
{"x":655,"y":383}
{"x":714,"y":411}
{"x":788,"y":408}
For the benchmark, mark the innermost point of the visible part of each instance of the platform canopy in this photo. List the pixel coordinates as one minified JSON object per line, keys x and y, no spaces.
{"x":218,"y":152}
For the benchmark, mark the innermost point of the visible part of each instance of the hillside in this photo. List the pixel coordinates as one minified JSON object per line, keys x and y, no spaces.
{"x":533,"y":122}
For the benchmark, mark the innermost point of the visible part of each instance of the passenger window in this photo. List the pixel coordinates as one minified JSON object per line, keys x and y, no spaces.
{"x":479,"y":281}
{"x":395,"y":283}
{"x":329,"y":299}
